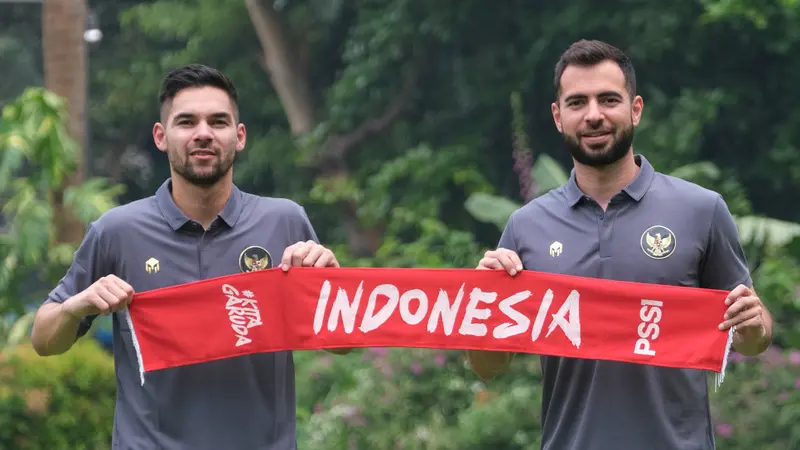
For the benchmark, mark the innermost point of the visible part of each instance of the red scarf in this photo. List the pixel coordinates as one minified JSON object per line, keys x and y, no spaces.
{"x":458,"y":309}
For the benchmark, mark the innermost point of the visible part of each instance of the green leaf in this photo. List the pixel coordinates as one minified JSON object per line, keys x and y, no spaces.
{"x":490,"y":208}
{"x":548,"y":174}
{"x":694,"y":171}
{"x":772,"y":232}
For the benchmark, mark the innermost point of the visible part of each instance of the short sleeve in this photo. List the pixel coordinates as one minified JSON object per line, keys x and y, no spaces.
{"x":88,"y":265}
{"x":304,"y":229}
{"x":724,"y":265}
{"x":507,"y":239}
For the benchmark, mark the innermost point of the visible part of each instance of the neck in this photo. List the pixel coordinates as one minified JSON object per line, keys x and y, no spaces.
{"x":201,"y":203}
{"x":603,"y":183}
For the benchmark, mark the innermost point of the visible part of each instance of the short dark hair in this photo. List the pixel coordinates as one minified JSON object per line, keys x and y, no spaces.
{"x":196,"y":75}
{"x":590,"y":52}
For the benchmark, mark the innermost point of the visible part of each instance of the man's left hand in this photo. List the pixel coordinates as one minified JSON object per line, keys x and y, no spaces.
{"x":307,"y":254}
{"x":747,"y":313}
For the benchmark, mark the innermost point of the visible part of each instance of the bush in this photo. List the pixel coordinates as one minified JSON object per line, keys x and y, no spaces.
{"x":414,"y":399}
{"x":61,"y":402}
{"x":426,"y":399}
{"x":758,"y":406}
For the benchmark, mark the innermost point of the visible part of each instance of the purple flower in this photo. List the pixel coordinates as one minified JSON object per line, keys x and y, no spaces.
{"x":416,"y":368}
{"x":440,"y":359}
{"x":724,"y":430}
{"x":797,"y":383}
{"x":735,"y":357}
{"x":379,"y":351}
{"x":783,"y":397}
{"x":794,"y":357}
{"x":772,"y":356}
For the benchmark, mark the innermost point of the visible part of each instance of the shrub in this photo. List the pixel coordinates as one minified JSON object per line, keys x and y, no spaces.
{"x":426,"y":399}
{"x":758,"y":406}
{"x":414,"y":399}
{"x":63,"y":402}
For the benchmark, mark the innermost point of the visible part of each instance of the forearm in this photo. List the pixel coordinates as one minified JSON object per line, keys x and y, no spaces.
{"x":54,"y":330}
{"x":488,"y":365}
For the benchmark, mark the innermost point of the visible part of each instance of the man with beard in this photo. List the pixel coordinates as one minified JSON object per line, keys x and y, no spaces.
{"x":619,"y":219}
{"x":198,"y":225}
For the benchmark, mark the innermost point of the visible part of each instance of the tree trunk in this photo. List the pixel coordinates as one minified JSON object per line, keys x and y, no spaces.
{"x":63,"y":24}
{"x":289,"y":78}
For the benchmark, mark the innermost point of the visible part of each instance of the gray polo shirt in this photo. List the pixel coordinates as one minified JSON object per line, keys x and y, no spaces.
{"x":244,"y":403}
{"x":659,"y":230}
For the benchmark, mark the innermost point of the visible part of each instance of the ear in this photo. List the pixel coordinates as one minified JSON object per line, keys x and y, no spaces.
{"x":160,"y":136}
{"x":636,"y":110}
{"x":241,"y":137}
{"x":556,"y":116}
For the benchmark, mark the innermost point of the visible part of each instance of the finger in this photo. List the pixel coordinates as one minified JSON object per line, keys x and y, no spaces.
{"x":508,"y":264}
{"x":515,"y":259}
{"x":327,"y":259}
{"x":737,"y":292}
{"x":740,"y":305}
{"x":99,"y":304}
{"x":744,"y":316}
{"x":118,"y":293}
{"x":300,"y":254}
{"x":490,"y":263}
{"x":125,"y":287}
{"x":323,"y":260}
{"x":113,"y":302}
{"x":286,"y":259}
{"x":314,"y":254}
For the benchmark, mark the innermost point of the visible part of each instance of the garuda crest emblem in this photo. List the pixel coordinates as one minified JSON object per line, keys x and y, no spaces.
{"x":658,"y":242}
{"x":254,"y":258}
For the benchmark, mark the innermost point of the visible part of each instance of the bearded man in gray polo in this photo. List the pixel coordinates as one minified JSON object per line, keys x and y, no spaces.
{"x":619,"y":219}
{"x":198,"y":225}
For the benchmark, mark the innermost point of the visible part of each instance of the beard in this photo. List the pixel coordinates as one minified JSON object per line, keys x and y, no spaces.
{"x":603,"y":154}
{"x":202,"y":176}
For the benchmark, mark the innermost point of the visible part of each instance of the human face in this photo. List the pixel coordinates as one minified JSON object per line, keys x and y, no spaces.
{"x":200,"y":135}
{"x":595,"y":113}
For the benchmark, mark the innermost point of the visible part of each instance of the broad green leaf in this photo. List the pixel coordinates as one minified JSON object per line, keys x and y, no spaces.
{"x":490,"y":208}
{"x":691,"y":172}
{"x":773,"y":232}
{"x":548,"y":174}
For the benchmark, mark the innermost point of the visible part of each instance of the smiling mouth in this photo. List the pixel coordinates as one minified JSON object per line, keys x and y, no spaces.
{"x":594,"y":135}
{"x":202,"y":153}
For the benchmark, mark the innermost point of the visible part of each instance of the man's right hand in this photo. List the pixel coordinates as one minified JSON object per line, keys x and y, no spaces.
{"x":501,"y":259}
{"x":104,"y":296}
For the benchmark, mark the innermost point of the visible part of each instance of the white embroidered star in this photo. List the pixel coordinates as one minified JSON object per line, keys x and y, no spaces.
{"x":248,"y":293}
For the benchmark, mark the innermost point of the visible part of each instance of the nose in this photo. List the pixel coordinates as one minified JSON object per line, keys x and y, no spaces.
{"x":594,"y":115}
{"x":202,"y":133}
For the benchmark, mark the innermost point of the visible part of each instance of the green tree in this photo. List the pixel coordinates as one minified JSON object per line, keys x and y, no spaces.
{"x":36,"y":155}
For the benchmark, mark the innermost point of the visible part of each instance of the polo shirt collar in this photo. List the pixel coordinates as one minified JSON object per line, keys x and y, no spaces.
{"x":636,"y":189}
{"x":176,"y":217}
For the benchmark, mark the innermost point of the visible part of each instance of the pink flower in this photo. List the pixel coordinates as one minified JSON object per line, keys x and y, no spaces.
{"x":416,"y":368}
{"x":724,"y":430}
{"x":794,"y":357}
{"x":440,"y":359}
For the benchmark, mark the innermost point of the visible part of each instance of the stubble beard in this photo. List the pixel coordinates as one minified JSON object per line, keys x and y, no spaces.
{"x":617,"y":150}
{"x":205,"y":179}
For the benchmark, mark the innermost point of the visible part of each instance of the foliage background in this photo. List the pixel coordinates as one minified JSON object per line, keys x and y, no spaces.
{"x":408,"y":130}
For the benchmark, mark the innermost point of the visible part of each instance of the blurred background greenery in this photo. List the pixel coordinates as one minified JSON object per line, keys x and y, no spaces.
{"x":409,"y":130}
